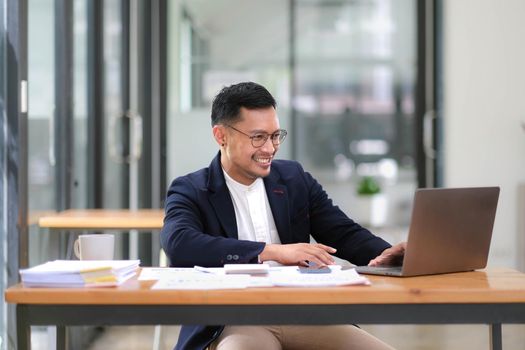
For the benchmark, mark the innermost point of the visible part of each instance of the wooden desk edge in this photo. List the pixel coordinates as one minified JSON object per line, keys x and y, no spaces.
{"x":102,"y":219}
{"x":385,"y":290}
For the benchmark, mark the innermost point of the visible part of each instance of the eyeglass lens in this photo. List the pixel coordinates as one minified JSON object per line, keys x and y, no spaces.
{"x":277,"y":138}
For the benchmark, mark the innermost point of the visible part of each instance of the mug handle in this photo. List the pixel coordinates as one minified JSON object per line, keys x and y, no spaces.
{"x":76,"y":248}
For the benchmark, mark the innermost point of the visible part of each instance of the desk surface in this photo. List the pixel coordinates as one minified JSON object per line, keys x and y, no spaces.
{"x":104,"y":219}
{"x":492,"y":296}
{"x":485,"y":286}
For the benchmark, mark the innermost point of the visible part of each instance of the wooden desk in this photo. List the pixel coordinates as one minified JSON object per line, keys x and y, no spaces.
{"x":493,"y":297}
{"x":104,"y":219}
{"x":107,"y":219}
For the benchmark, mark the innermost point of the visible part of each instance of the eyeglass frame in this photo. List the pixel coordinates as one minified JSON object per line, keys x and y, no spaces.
{"x":267,"y":136}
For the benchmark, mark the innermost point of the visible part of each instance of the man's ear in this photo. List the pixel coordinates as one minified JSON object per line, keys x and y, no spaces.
{"x":219,"y":134}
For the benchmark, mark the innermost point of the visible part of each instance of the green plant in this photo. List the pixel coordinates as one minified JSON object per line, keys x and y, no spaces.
{"x":368,"y":186}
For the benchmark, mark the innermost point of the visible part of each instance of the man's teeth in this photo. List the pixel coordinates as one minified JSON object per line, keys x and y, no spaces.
{"x":262,"y":160}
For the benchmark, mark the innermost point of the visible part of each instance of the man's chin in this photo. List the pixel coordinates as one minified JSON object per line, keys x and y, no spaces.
{"x":263,"y":172}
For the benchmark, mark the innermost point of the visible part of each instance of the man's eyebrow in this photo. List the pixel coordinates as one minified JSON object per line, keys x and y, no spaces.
{"x":260,"y":131}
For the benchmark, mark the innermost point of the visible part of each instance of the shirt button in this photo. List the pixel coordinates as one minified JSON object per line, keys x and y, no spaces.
{"x":235,"y":257}
{"x":228,"y":257}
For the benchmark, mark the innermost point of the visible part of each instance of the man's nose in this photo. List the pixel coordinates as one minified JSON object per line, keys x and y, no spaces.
{"x":268,"y":146}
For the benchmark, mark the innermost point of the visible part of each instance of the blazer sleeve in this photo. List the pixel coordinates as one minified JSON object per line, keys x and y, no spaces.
{"x":331,"y":226}
{"x":192,"y":234}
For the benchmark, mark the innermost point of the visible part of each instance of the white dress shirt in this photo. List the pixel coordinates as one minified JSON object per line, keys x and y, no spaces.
{"x":252,"y":211}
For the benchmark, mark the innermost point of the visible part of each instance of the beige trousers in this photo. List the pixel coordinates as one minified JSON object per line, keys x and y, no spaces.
{"x":296,"y":337}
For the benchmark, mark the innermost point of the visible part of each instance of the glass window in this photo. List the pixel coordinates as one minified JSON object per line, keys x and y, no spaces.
{"x":354,"y":76}
{"x":3,"y":170}
{"x":41,"y":124}
{"x":80,"y":127}
{"x":215,"y":44}
{"x":353,"y":68}
{"x":114,"y":167}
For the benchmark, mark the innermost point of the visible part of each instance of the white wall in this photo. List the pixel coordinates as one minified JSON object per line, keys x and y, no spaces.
{"x":484,"y":106}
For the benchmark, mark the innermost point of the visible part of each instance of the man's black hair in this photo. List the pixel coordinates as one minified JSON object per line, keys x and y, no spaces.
{"x":228,"y":102}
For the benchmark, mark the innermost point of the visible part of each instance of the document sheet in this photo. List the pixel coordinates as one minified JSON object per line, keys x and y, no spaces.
{"x":218,"y":278}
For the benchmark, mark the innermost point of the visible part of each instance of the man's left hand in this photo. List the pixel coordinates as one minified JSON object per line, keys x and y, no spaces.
{"x":392,"y":256}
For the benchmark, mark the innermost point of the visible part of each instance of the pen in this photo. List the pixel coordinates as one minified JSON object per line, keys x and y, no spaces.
{"x":203,"y":269}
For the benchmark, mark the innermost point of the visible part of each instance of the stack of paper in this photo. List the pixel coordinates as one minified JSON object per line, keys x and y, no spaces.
{"x":80,"y":273}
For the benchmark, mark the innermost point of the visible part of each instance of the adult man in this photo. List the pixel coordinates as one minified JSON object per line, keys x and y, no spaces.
{"x":247,"y":207}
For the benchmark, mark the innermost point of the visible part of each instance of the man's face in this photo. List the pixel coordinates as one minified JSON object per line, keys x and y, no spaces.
{"x":240,"y":159}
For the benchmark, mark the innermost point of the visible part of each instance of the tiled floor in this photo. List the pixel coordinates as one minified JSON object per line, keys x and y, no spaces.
{"x":427,"y":337}
{"x":136,"y":338}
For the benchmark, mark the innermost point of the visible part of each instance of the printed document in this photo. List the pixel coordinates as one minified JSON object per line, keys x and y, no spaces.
{"x":216,"y":278}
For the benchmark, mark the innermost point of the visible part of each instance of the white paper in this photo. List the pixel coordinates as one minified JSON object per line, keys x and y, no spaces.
{"x":215,"y":278}
{"x":156,"y":273}
{"x":335,"y":278}
{"x":75,"y":266}
{"x":251,"y":269}
{"x":199,"y":281}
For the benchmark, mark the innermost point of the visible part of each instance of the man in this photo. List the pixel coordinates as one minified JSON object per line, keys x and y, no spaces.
{"x":247,"y":207}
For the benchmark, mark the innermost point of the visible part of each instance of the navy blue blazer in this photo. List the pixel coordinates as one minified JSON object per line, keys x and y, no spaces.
{"x":200,"y":226}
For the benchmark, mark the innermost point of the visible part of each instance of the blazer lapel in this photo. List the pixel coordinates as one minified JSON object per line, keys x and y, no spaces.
{"x":278,"y":199}
{"x":220,"y":198}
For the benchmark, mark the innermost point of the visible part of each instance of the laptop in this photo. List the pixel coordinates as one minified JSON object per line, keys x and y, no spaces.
{"x":450,"y":231}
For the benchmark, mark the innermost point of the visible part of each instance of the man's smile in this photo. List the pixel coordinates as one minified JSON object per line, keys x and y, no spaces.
{"x":263,"y":159}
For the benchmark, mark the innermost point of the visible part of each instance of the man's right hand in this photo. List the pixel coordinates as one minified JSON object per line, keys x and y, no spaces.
{"x":298,"y":254}
{"x":392,"y":256}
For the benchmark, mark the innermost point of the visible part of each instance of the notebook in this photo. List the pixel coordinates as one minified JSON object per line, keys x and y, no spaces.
{"x":450,"y":231}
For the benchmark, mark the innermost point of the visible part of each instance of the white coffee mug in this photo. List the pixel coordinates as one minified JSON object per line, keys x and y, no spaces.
{"x":95,"y":247}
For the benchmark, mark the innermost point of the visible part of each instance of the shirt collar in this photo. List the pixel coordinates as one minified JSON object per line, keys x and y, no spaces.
{"x":231,"y":182}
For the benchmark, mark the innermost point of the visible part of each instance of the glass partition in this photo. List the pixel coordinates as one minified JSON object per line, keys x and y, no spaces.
{"x":80,"y":127}
{"x":42,"y":157}
{"x":343,"y":73}
{"x":355,"y":72}
{"x":115,"y":166}
{"x":213,"y":44}
{"x":3,"y":181}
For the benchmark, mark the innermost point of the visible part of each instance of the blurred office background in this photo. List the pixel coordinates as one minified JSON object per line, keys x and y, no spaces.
{"x":105,"y":102}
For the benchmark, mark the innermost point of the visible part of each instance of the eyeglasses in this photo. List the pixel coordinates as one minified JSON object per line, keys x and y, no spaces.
{"x":259,"y":139}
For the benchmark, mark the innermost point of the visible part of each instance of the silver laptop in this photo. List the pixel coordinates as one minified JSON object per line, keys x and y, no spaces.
{"x":450,"y":231}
